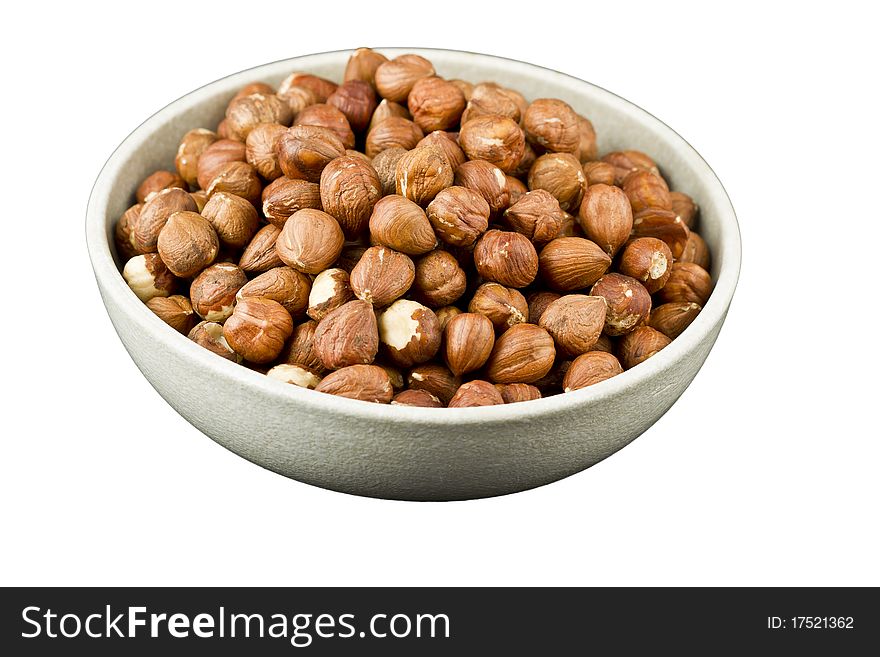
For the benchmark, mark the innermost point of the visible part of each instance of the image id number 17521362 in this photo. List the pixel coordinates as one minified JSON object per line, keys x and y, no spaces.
{"x":810,"y":623}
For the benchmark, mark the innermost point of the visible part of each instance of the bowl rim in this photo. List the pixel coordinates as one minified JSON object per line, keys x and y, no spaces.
{"x":117,"y":292}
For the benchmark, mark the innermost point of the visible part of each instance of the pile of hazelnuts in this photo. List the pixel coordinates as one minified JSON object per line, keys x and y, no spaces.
{"x":403,"y":238}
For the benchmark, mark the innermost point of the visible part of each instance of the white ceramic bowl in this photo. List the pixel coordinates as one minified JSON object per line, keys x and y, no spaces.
{"x":397,"y":451}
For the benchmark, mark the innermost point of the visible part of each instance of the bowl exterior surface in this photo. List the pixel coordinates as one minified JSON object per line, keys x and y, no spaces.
{"x":401,"y":452}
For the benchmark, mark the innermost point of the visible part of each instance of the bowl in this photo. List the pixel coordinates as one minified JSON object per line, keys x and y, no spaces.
{"x":401,"y":452}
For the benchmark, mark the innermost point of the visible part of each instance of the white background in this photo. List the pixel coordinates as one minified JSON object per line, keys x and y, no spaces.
{"x":766,"y":470}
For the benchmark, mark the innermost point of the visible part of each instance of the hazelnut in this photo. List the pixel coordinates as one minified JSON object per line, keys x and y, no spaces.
{"x":304,"y":151}
{"x":260,"y":254}
{"x":538,"y":302}
{"x":254,"y":88}
{"x":434,"y":378}
{"x":687,"y":282}
{"x":512,"y":393}
{"x":488,"y":99}
{"x":187,"y":244}
{"x":350,"y":256}
{"x":476,"y":393}
{"x":261,"y":149}
{"x":629,"y":303}
{"x":348,"y":335}
{"x":599,"y":173}
{"x":382,"y":275}
{"x":362,"y":65}
{"x":664,"y":225}
{"x":587,"y":133}
{"x":569,"y":227}
{"x":222,"y":130}
{"x":604,"y":343}
{"x":696,"y":251}
{"x":465,"y":257}
{"x":572,"y":263}
{"x":487,"y":180}
{"x":215,"y":157}
{"x":466,"y":87}
{"x":294,"y":374}
{"x":300,"y":349}
{"x":298,"y":98}
{"x":201,"y":199}
{"x":439,"y":279}
{"x":285,"y":285}
{"x":154,"y":214}
{"x":522,"y":354}
{"x":395,"y":79}
{"x":393,"y":131}
{"x":589,"y":369}
{"x":238,"y":178}
{"x":606,"y":217}
{"x":260,"y":368}
{"x":575,"y":321}
{"x":395,"y":375}
{"x":320,"y":87}
{"x":330,"y":289}
{"x":503,"y":306}
{"x":495,"y":139}
{"x":673,"y":318}
{"x":525,"y":164}
{"x":210,"y":336}
{"x":235,"y":220}
{"x":421,"y":398}
{"x":329,"y":117}
{"x":468,"y":342}
{"x":648,"y":260}
{"x":350,"y":187}
{"x":213,"y":291}
{"x":517,"y":189}
{"x":156,"y":182}
{"x":422,"y":173}
{"x":447,"y":144}
{"x":364,"y":382}
{"x":176,"y":311}
{"x":190,"y":150}
{"x":386,"y":109}
{"x":244,"y":113}
{"x":684,"y":208}
{"x":506,"y":257}
{"x":625,"y":162}
{"x":552,"y":125}
{"x":445,"y":315}
{"x":385,"y":165}
{"x":551,"y":384}
{"x":356,"y":100}
{"x":310,"y":241}
{"x":148,"y":277}
{"x":284,"y":196}
{"x":357,"y":154}
{"x":561,"y":175}
{"x":640,"y":345}
{"x":123,"y":234}
{"x":401,"y":224}
{"x":435,"y":104}
{"x":258,"y":329}
{"x":459,"y":215}
{"x":646,"y":190}
{"x":409,"y":333}
{"x":517,"y":98}
{"x":536,"y":215}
